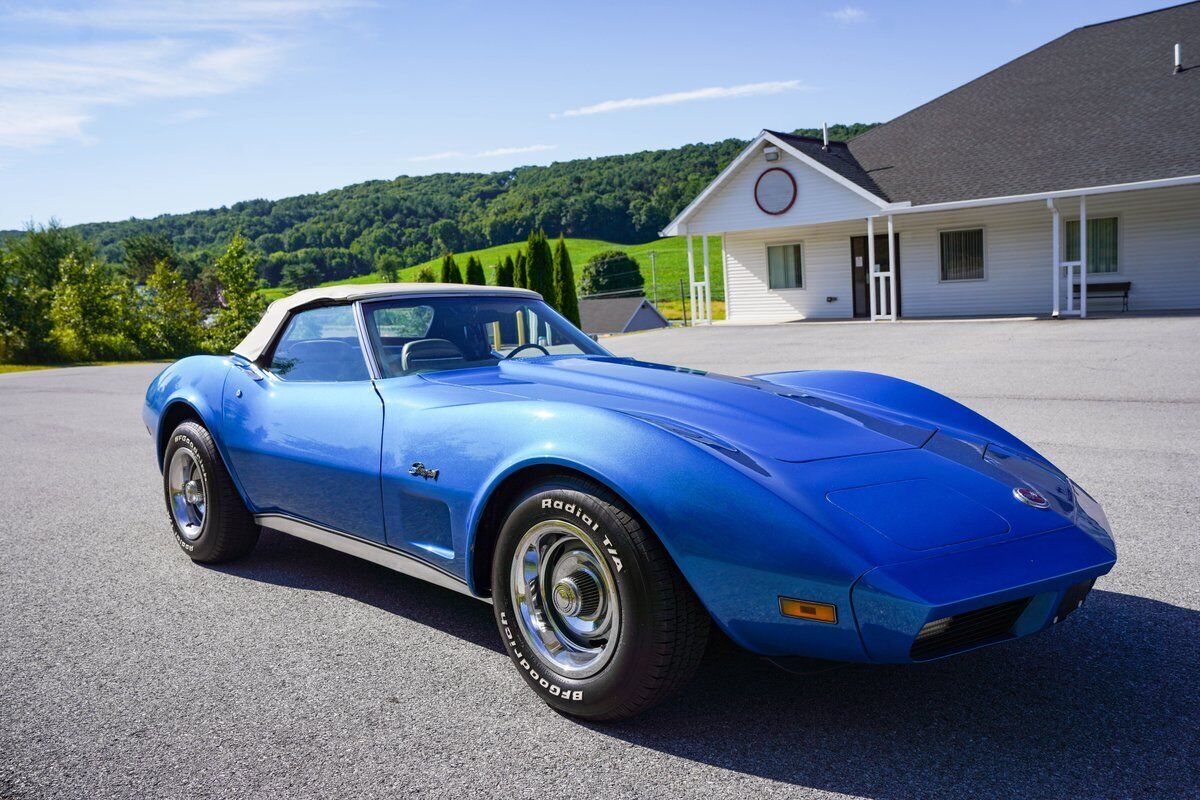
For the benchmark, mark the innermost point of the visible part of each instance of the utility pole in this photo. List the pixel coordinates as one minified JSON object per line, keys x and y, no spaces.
{"x":653,"y":279}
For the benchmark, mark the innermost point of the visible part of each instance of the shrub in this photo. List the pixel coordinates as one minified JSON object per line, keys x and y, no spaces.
{"x":611,"y":271}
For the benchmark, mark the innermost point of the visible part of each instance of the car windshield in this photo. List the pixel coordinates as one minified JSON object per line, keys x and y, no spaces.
{"x":431,"y":334}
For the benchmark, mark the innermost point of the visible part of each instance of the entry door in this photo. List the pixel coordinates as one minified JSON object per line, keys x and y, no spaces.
{"x":858,"y":268}
{"x":303,"y":436}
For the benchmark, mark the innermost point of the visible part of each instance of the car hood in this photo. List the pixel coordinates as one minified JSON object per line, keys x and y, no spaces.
{"x":749,"y":414}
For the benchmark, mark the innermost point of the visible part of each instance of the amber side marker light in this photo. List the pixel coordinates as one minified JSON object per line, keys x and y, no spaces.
{"x":806,"y":609}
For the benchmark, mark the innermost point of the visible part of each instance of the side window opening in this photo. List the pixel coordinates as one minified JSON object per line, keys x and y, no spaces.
{"x":320,"y":344}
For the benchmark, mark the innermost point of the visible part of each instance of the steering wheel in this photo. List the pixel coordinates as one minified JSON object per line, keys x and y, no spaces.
{"x":526,"y":346}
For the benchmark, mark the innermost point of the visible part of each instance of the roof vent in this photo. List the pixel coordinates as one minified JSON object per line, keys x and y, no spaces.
{"x":825,"y":126}
{"x":1178,"y":59}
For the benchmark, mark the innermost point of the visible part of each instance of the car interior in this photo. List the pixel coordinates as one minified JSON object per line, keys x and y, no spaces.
{"x":322,"y":344}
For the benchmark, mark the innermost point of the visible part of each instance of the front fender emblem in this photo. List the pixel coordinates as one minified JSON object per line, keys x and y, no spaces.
{"x":1031,"y":497}
{"x":421,"y":471}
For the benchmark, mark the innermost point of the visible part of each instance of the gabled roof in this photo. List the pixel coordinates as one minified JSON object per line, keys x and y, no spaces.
{"x":837,"y":170}
{"x":259,"y":338}
{"x":612,"y":314}
{"x":1097,"y":107}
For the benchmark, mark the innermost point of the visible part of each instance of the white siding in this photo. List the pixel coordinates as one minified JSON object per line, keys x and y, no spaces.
{"x":818,"y":199}
{"x":826,"y":274}
{"x":1159,"y":252}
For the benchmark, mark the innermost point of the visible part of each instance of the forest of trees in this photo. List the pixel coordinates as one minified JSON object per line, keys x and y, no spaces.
{"x":312,"y":238}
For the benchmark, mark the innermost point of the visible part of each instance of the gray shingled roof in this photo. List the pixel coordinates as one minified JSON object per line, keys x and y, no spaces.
{"x":1095,"y":107}
{"x":608,"y":314}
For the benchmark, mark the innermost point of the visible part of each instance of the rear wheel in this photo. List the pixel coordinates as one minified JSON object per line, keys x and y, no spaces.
{"x":210,"y":521}
{"x":593,"y":611}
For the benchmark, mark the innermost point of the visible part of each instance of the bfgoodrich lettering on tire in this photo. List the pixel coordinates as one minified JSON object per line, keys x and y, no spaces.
{"x":592,"y":610}
{"x":210,"y":521}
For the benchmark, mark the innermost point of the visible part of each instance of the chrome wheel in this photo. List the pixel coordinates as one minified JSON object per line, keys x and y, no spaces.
{"x":187,"y":493}
{"x":566,"y":598}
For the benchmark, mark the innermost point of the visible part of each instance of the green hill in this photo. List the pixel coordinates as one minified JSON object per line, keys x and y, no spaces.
{"x":342,"y":233}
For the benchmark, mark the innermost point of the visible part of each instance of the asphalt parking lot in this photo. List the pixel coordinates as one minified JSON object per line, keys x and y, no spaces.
{"x":299,"y":672}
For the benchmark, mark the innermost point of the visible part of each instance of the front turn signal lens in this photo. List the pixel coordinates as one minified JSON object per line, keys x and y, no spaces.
{"x":806,"y":609}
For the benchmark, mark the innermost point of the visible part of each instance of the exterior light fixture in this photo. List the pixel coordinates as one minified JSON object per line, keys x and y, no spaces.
{"x":771,"y":153}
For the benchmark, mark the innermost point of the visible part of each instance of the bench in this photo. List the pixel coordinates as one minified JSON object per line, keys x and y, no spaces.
{"x":1111,"y":289}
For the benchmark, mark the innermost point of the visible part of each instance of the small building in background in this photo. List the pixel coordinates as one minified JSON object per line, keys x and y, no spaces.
{"x":619,"y":315}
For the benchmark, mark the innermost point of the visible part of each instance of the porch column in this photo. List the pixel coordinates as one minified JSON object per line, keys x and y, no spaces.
{"x":691,"y":253}
{"x":892,"y":270}
{"x":1056,"y":253}
{"x":871,"y":265}
{"x":707,"y":291}
{"x":1082,"y":256}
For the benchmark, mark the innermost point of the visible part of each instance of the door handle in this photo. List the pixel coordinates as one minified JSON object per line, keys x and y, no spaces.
{"x":250,"y":369}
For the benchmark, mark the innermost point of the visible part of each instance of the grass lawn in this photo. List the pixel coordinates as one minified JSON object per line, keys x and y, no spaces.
{"x":670,"y":261}
{"x":27,"y":367}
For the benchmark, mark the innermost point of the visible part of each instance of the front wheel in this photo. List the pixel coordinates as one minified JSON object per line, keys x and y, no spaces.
{"x":594,"y":613}
{"x":209,"y":519}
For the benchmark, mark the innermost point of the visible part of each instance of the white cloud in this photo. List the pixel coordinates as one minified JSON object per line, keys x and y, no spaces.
{"x":120,"y":53}
{"x":509,"y":151}
{"x":439,"y":156}
{"x":189,"y":114}
{"x":673,"y":98}
{"x":499,"y":151}
{"x":848,"y":15}
{"x":179,"y":16}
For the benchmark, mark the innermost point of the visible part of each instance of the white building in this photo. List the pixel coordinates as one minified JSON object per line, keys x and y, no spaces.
{"x":986,"y":191}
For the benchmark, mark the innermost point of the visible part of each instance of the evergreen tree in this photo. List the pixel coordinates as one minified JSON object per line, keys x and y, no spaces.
{"x":505,"y":272}
{"x":93,"y":313}
{"x":475,"y":273}
{"x":450,"y":271}
{"x":426,"y":275}
{"x":521,"y":271}
{"x":237,"y":274}
{"x":564,"y":283}
{"x":170,"y":320}
{"x":540,"y":269}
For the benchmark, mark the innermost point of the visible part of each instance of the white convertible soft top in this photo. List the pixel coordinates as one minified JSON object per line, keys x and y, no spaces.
{"x":258,"y":339}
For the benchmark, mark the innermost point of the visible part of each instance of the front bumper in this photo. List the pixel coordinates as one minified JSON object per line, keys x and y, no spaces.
{"x":994,"y":593}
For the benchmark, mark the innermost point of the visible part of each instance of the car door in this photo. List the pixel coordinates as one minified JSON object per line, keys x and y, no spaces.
{"x":303,"y":434}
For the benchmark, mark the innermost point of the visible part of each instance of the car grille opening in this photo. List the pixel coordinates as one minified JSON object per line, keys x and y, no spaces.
{"x":948,"y":634}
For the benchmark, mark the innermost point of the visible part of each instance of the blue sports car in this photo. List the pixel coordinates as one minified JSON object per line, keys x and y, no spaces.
{"x":612,"y":510}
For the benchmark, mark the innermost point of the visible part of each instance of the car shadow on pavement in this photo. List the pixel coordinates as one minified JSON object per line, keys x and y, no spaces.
{"x":288,"y":561}
{"x":1105,"y":705}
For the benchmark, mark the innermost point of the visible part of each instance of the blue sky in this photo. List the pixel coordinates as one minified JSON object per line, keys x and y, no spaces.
{"x":115,"y":108}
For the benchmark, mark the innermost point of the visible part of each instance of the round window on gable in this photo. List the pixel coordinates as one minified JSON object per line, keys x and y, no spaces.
{"x":775,"y":190}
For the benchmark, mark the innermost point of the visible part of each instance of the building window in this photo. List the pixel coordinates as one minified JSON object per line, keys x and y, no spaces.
{"x":962,"y":255}
{"x":785,"y":265}
{"x":1102,"y":244}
